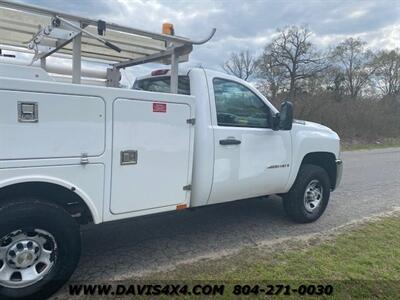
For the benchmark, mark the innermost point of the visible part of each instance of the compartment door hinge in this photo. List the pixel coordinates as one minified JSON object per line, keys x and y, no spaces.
{"x":191,"y":121}
{"x":84,"y":159}
{"x":187,"y":187}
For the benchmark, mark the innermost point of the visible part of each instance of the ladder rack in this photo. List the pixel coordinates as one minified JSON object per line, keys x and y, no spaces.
{"x":45,"y":32}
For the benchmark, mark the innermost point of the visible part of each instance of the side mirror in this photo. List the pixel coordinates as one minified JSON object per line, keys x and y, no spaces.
{"x":282,"y":120}
{"x":286,"y":116}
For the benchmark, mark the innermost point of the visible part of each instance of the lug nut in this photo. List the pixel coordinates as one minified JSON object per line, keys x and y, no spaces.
{"x":20,"y":246}
{"x":30,"y":245}
{"x":36,"y":249}
{"x":12,"y":253}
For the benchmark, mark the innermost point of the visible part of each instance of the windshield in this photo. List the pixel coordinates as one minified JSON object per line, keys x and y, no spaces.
{"x":162,"y":84}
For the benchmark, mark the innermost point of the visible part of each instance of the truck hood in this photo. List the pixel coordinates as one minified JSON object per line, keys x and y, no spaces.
{"x":313,"y":126}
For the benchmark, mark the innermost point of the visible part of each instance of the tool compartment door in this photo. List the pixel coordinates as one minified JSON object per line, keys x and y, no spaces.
{"x":151,"y":155}
{"x":64,"y":126}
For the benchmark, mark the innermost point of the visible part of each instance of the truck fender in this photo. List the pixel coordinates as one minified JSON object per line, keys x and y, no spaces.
{"x":309,"y":142}
{"x":56,"y":181}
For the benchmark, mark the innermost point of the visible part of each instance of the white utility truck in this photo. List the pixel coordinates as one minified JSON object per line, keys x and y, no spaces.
{"x":75,"y":152}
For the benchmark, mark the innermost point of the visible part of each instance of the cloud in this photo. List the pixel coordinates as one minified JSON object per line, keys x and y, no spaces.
{"x":248,"y":24}
{"x":357,"y":13}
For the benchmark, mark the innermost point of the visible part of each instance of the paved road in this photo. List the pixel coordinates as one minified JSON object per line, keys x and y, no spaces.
{"x":371,"y":184}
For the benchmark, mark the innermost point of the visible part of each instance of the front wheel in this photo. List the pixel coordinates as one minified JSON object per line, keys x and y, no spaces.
{"x":39,"y":249}
{"x":309,"y":196}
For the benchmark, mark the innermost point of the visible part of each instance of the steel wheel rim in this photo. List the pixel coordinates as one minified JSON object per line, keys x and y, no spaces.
{"x":26,"y":257}
{"x":313,"y":195}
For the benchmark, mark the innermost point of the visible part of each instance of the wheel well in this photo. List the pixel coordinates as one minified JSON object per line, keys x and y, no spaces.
{"x":53,"y":193}
{"x":325,"y":160}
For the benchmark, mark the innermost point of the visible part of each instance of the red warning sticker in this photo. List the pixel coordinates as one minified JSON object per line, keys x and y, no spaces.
{"x":160,"y":107}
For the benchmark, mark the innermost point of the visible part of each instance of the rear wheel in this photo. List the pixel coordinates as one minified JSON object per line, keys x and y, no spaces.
{"x":39,"y":249}
{"x":309,"y":196}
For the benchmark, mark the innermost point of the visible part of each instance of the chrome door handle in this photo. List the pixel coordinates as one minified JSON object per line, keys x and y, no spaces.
{"x":229,"y":142}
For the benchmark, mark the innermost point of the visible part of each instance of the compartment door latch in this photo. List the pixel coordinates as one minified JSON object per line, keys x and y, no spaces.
{"x":28,"y":112}
{"x":128,"y":157}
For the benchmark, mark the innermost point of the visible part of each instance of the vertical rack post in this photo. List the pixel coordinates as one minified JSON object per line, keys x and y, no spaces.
{"x":43,"y":63}
{"x":76,"y":59}
{"x":174,"y":72}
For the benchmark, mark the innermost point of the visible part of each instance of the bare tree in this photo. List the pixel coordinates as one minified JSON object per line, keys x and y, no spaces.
{"x":355,"y":63}
{"x":387,"y":74}
{"x":293,"y":53}
{"x":335,"y":82}
{"x":242,"y":65}
{"x":272,"y":77}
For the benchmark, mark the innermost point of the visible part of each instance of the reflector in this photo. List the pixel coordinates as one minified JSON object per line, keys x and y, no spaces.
{"x":159,"y":72}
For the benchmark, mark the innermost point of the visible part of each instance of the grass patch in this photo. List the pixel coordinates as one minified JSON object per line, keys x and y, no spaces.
{"x":363,"y":262}
{"x":363,"y":145}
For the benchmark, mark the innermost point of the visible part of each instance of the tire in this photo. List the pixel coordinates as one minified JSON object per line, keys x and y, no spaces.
{"x":309,"y":196}
{"x":47,"y":233}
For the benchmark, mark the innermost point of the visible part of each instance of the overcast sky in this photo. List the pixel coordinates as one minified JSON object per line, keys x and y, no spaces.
{"x":247,"y":24}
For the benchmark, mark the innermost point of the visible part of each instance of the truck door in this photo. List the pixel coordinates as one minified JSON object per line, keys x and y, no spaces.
{"x":250,"y":158}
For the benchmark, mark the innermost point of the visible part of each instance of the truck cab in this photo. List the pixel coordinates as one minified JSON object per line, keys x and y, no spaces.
{"x":239,"y":152}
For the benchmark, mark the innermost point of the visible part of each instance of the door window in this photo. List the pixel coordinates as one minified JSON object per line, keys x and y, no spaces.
{"x":238,"y":106}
